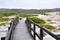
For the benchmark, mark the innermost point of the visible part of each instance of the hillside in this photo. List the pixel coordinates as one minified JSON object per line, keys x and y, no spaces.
{"x":29,"y":10}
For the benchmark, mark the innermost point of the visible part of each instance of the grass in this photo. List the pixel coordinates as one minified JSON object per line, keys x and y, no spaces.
{"x":3,"y":24}
{"x":3,"y":14}
{"x":31,"y":15}
{"x":37,"y":20}
{"x":48,"y":20}
{"x":20,"y":18}
{"x":42,"y":22}
{"x":45,"y":14}
{"x":4,"y":19}
{"x":7,"y":14}
{"x":59,"y":28}
{"x":49,"y":27}
{"x":22,"y":15}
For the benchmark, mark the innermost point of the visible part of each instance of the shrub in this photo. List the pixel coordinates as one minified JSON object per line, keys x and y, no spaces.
{"x":30,"y":15}
{"x":37,"y":20}
{"x":7,"y":14}
{"x":22,"y":15}
{"x":2,"y":24}
{"x":20,"y":18}
{"x":49,"y":27}
{"x":4,"y":19}
{"x":42,"y":22}
{"x":59,"y":28}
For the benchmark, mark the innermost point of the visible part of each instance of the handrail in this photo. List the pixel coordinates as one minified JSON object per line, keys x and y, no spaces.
{"x":30,"y":29}
{"x":12,"y":27}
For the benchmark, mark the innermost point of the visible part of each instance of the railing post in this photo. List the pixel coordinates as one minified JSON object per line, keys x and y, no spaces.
{"x":59,"y":36}
{"x":57,"y":39}
{"x":12,"y":27}
{"x":30,"y":27}
{"x":41,"y":34}
{"x":9,"y":27}
{"x":2,"y":38}
{"x":29,"y":22}
{"x":34,"y":32}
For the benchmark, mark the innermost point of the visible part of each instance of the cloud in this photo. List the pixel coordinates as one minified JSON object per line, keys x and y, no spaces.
{"x":36,"y":4}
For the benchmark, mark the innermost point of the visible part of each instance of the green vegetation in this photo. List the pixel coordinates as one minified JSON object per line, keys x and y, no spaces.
{"x":3,"y":14}
{"x":49,"y":27}
{"x":42,"y":23}
{"x":3,"y":24}
{"x":37,"y":20}
{"x":41,"y":12}
{"x":59,"y":28}
{"x":23,"y":15}
{"x":29,"y":15}
{"x":48,"y":20}
{"x":20,"y":18}
{"x":7,"y":14}
{"x":44,"y":13}
{"x":4,"y":19}
{"x":10,"y":14}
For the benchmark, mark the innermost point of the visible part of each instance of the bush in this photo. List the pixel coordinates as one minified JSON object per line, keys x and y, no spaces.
{"x":3,"y":24}
{"x":59,"y":28}
{"x":49,"y":27}
{"x":4,"y":19}
{"x":42,"y":22}
{"x":30,"y":15}
{"x":22,"y":15}
{"x":20,"y":18}
{"x":7,"y":14}
{"x":37,"y":20}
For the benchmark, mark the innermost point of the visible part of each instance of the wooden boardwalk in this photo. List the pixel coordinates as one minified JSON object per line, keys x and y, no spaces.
{"x":21,"y":32}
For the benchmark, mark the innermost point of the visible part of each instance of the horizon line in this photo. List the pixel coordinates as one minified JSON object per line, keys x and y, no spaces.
{"x":28,"y":8}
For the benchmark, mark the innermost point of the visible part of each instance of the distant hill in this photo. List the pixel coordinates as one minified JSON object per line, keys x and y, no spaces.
{"x":29,"y":10}
{"x":51,"y":10}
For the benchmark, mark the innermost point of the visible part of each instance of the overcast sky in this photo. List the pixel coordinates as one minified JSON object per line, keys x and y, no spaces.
{"x":30,"y":4}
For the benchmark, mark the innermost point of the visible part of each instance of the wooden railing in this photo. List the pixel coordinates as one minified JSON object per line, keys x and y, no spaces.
{"x":41,"y":31}
{"x":13,"y":24}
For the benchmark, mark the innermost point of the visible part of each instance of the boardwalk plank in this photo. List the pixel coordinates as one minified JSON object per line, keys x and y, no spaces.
{"x":21,"y":32}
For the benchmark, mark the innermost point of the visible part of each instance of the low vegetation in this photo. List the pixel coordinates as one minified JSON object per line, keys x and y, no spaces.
{"x":49,"y":27}
{"x":31,"y":15}
{"x":25,"y":15}
{"x":42,"y":22}
{"x":59,"y":28}
{"x":7,"y":14}
{"x":44,"y":13}
{"x":37,"y":20}
{"x":4,"y":19}
{"x":20,"y":18}
{"x":22,"y":15}
{"x":3,"y":24}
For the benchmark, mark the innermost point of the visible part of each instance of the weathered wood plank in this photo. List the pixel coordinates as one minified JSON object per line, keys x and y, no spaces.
{"x":21,"y":32}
